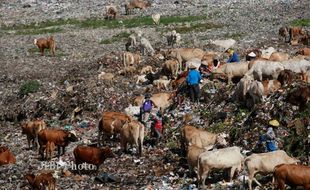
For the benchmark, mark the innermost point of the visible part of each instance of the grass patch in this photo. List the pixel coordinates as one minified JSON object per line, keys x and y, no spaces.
{"x":301,"y":22}
{"x":233,"y":35}
{"x":35,"y":51}
{"x":41,"y":25}
{"x":116,"y":38}
{"x":198,"y":27}
{"x":39,"y":31}
{"x":30,"y":86}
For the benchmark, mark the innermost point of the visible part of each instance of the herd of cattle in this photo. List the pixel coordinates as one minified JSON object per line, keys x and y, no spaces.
{"x":267,"y":73}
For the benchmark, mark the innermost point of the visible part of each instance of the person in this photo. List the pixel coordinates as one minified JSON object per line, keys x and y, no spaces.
{"x":146,"y":109}
{"x":157,"y":127}
{"x":193,"y":78}
{"x":233,"y":56}
{"x":270,"y":136}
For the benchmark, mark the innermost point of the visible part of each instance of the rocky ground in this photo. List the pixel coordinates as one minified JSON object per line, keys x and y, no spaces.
{"x":69,"y":81}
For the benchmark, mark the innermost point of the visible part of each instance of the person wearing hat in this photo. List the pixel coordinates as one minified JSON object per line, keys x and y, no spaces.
{"x":233,"y":56}
{"x":193,"y":78}
{"x":270,"y":136}
{"x":251,"y":56}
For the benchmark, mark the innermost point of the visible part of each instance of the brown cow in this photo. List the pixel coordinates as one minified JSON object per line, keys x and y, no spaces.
{"x":286,"y":77}
{"x":111,"y":124}
{"x":41,"y":181}
{"x":171,"y":68}
{"x":6,"y":156}
{"x":270,"y":86}
{"x":136,"y":4}
{"x":31,"y":129}
{"x":292,"y":175}
{"x":299,"y":96}
{"x":91,"y":155}
{"x":295,"y":32}
{"x":200,"y":138}
{"x":60,"y":137}
{"x":279,"y":56}
{"x":132,"y":133}
{"x":43,"y":44}
{"x":304,"y":51}
{"x":111,"y":12}
{"x":131,"y":59}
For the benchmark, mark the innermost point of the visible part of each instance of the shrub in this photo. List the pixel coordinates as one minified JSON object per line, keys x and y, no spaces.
{"x":30,"y":86}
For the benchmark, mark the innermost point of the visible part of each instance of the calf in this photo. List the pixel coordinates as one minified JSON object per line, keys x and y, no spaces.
{"x":59,"y":137}
{"x":43,"y":44}
{"x":226,"y":158}
{"x":31,"y":129}
{"x":91,"y":155}
{"x":200,"y":138}
{"x":41,"y":181}
{"x":111,"y":123}
{"x":292,"y":175}
{"x":265,"y":163}
{"x":132,"y":133}
{"x":6,"y":156}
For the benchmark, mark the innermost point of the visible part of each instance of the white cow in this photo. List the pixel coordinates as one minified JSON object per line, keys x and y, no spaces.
{"x":226,"y":158}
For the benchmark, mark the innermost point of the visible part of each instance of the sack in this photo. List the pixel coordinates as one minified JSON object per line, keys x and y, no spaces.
{"x":159,"y":126}
{"x":147,"y":106}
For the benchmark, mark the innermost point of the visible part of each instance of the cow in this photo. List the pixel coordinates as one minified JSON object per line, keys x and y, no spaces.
{"x":131,"y":41}
{"x":242,"y":88}
{"x":6,"y":156}
{"x":292,"y":175}
{"x":279,"y":56}
{"x":146,"y":70}
{"x":156,"y":18}
{"x":131,"y":59}
{"x":111,"y":12}
{"x":232,"y":70}
{"x":225,"y":158}
{"x":264,"y":163}
{"x":265,"y":68}
{"x":299,"y":96}
{"x":31,"y":129}
{"x":185,"y":54}
{"x":286,"y":77}
{"x":48,"y":43}
{"x":91,"y":155}
{"x":136,"y":4}
{"x":162,"y":83}
{"x":193,"y":153}
{"x":200,"y":138}
{"x":41,"y":181}
{"x":111,"y":123}
{"x":59,"y":137}
{"x":297,"y":65}
{"x":304,"y":51}
{"x":284,"y":34}
{"x":163,"y":100}
{"x":295,"y":32}
{"x":132,"y":133}
{"x":171,"y":68}
{"x":146,"y":46}
{"x":266,"y":53}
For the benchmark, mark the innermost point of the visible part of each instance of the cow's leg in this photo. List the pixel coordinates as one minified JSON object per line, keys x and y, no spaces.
{"x":281,"y":184}
{"x":203,"y":178}
{"x":58,"y":151}
{"x":41,"y":151}
{"x":63,"y":150}
{"x":232,"y":172}
{"x":29,"y":141}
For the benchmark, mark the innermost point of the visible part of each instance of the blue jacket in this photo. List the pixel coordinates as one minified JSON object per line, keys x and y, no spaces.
{"x":193,"y":77}
{"x":233,"y":58}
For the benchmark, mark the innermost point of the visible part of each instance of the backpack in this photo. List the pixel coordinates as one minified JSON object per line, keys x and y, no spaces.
{"x":147,"y":106}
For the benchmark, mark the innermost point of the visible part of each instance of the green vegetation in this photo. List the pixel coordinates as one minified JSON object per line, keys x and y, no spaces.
{"x":116,"y":38}
{"x":35,"y":50}
{"x":30,"y":86}
{"x":301,"y":22}
{"x":233,"y":35}
{"x":199,"y":27}
{"x":39,"y":31}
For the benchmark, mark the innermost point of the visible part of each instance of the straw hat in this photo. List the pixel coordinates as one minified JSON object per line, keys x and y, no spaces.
{"x":274,"y":123}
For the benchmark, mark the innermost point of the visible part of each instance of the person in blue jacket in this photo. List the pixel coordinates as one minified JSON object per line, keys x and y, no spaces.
{"x":193,"y":78}
{"x":233,"y":56}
